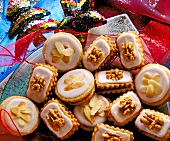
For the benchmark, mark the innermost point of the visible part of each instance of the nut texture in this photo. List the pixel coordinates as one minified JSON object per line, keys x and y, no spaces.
{"x":152,"y":122}
{"x":37,"y":83}
{"x":127,"y":106}
{"x":151,"y":85}
{"x":55,"y":119}
{"x":128,"y":51}
{"x":109,"y":136}
{"x":114,"y":74}
{"x":21,"y":113}
{"x":74,"y":82}
{"x":95,"y":56}
{"x":94,"y":108}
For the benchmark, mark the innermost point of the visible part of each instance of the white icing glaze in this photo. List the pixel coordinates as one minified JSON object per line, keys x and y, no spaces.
{"x":129,"y":37}
{"x":28,"y":126}
{"x":63,"y":130}
{"x":127,"y":77}
{"x":158,"y":133}
{"x":79,"y":113}
{"x":74,"y":92}
{"x":116,"y":113}
{"x":101,"y":45}
{"x":47,"y":75}
{"x":152,"y":71}
{"x":68,"y":41}
{"x":102,"y":129}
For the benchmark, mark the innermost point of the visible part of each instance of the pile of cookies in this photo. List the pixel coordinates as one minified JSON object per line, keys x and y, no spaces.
{"x":89,"y":90}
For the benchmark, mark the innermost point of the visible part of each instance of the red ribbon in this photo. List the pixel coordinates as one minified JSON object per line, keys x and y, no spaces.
{"x":5,"y":134}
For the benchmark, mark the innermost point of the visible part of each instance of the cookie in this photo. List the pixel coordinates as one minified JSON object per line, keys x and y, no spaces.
{"x":124,"y":109}
{"x":90,"y":113}
{"x":130,"y":50}
{"x":113,"y":81}
{"x":24,"y":114}
{"x":75,"y":86}
{"x":62,"y":50}
{"x":59,"y":120}
{"x":100,"y":52}
{"x":105,"y":132}
{"x":152,"y":84}
{"x":154,"y":124}
{"x":41,"y":82}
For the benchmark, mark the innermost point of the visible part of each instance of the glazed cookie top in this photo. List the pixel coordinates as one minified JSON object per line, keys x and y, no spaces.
{"x":75,"y":83}
{"x":129,"y":50}
{"x":62,"y":50}
{"x":41,"y":76}
{"x":118,"y":110}
{"x":148,"y":117}
{"x":24,"y":114}
{"x":152,"y":83}
{"x":92,"y":112}
{"x":114,"y":76}
{"x":64,"y":123}
{"x":102,"y":129}
{"x":96,"y":53}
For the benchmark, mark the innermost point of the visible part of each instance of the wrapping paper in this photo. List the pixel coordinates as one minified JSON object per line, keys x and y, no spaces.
{"x":156,"y":9}
{"x":155,"y":35}
{"x":5,"y":135}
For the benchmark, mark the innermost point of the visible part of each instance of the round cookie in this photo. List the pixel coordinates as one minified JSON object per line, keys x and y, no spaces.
{"x":62,"y":50}
{"x":24,"y":113}
{"x":152,"y":84}
{"x":91,"y":113}
{"x":75,"y":86}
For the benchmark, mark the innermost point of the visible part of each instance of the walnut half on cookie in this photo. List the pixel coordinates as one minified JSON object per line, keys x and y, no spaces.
{"x":130,"y":50}
{"x":124,"y":109}
{"x":105,"y":132}
{"x":101,"y":51}
{"x":113,"y":81}
{"x":41,"y":82}
{"x":58,"y":119}
{"x":154,"y":124}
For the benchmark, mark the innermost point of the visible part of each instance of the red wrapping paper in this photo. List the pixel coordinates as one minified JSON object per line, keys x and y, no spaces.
{"x":5,"y":134}
{"x":157,"y":38}
{"x":155,"y":35}
{"x":156,"y":9}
